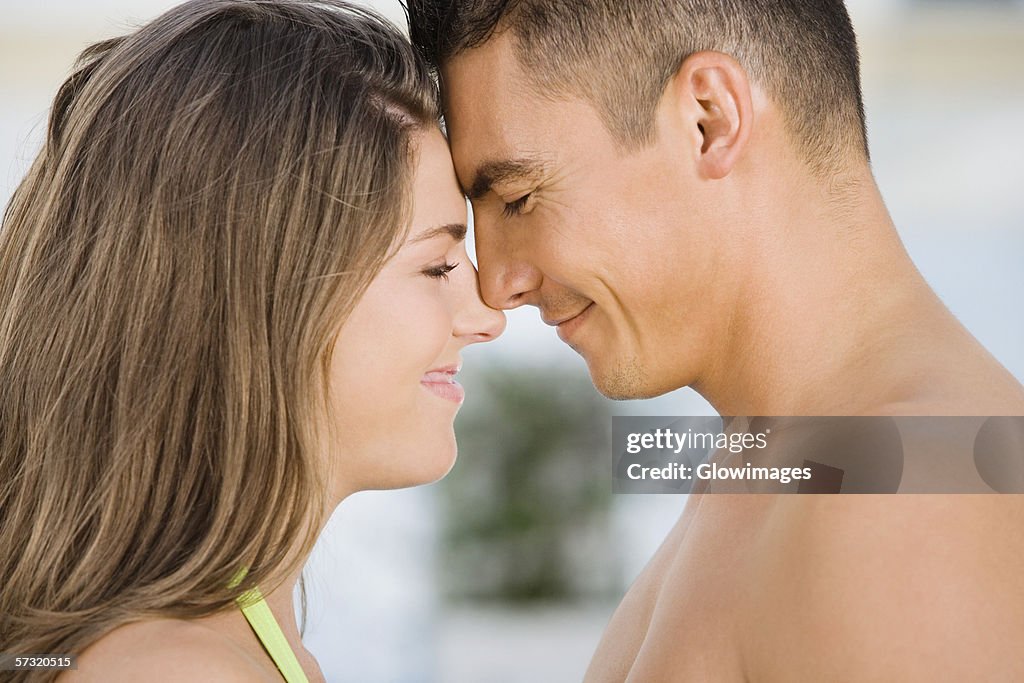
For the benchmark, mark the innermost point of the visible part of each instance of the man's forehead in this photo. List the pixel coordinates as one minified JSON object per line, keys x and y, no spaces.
{"x":484,"y":87}
{"x":483,"y":63}
{"x":488,"y":111}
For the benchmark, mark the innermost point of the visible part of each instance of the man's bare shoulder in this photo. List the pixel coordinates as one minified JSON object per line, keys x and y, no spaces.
{"x":165,"y":651}
{"x":627,"y":629}
{"x":914,"y":587}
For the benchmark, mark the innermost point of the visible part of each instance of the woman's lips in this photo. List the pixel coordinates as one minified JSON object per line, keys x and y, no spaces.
{"x":442,"y":383}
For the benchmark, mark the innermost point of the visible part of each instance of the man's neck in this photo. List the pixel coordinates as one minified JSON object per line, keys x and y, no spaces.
{"x":834,"y":319}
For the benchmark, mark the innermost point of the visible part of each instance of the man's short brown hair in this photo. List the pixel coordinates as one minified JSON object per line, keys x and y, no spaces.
{"x":619,"y":55}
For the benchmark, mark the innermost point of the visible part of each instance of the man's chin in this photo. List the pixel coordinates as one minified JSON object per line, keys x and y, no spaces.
{"x":624,"y":380}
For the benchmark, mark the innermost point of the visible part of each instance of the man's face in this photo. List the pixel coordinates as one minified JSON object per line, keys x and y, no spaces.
{"x":615,"y":244}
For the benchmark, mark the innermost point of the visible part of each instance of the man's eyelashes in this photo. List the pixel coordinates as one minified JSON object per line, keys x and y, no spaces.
{"x":515,"y":208}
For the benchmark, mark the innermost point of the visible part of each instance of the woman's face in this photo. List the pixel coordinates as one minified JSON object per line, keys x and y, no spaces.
{"x":393,"y":390}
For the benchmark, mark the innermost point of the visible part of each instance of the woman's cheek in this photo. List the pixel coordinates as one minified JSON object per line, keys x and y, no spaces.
{"x":430,"y":328}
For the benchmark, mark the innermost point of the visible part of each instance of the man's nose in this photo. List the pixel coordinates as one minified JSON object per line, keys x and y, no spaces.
{"x":507,"y":279}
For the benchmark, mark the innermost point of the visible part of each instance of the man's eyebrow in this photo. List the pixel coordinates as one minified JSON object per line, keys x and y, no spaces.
{"x":504,"y":170}
{"x":457,"y":231}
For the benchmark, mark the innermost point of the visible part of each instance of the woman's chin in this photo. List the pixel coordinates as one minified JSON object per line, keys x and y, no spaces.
{"x":432,"y":465}
{"x":437,"y":466}
{"x":396,"y":457}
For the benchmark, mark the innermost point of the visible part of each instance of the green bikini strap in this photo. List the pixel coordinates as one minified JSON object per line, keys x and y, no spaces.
{"x":262,"y":621}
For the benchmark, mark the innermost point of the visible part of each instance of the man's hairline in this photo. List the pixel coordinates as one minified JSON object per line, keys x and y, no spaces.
{"x":626,"y":141}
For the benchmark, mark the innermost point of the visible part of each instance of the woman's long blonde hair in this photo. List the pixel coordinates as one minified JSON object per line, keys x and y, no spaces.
{"x":215,"y":192}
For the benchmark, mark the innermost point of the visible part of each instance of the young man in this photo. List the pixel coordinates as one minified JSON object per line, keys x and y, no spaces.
{"x":683,"y":189}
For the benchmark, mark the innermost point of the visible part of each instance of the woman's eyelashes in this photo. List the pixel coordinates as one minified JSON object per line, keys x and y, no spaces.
{"x":440,"y":272}
{"x":516,"y":207}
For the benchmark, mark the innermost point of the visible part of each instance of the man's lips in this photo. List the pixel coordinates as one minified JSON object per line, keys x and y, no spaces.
{"x":555,"y":322}
{"x":568,"y":326}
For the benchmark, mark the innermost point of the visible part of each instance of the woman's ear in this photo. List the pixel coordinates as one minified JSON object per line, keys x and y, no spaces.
{"x":713,"y":93}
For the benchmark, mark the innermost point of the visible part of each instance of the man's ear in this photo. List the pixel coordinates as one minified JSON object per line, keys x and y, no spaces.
{"x":713,"y":93}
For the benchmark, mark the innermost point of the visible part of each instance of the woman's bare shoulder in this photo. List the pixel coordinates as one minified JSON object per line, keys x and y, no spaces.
{"x":165,"y":651}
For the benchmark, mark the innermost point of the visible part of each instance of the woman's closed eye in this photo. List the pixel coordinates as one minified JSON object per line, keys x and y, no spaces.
{"x":440,"y":272}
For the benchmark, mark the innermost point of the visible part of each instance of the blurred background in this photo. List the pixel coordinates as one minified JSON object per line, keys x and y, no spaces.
{"x":508,"y":570}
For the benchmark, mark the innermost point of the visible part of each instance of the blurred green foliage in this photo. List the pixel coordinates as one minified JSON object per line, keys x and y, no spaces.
{"x":525,"y":511}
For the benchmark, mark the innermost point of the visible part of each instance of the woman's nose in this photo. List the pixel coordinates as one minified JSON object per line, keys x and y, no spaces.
{"x":476,"y":321}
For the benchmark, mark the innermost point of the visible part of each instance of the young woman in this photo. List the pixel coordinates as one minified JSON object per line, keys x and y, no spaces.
{"x":233,"y":291}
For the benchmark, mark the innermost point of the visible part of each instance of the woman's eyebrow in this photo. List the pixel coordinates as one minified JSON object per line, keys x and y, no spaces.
{"x":457,"y":231}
